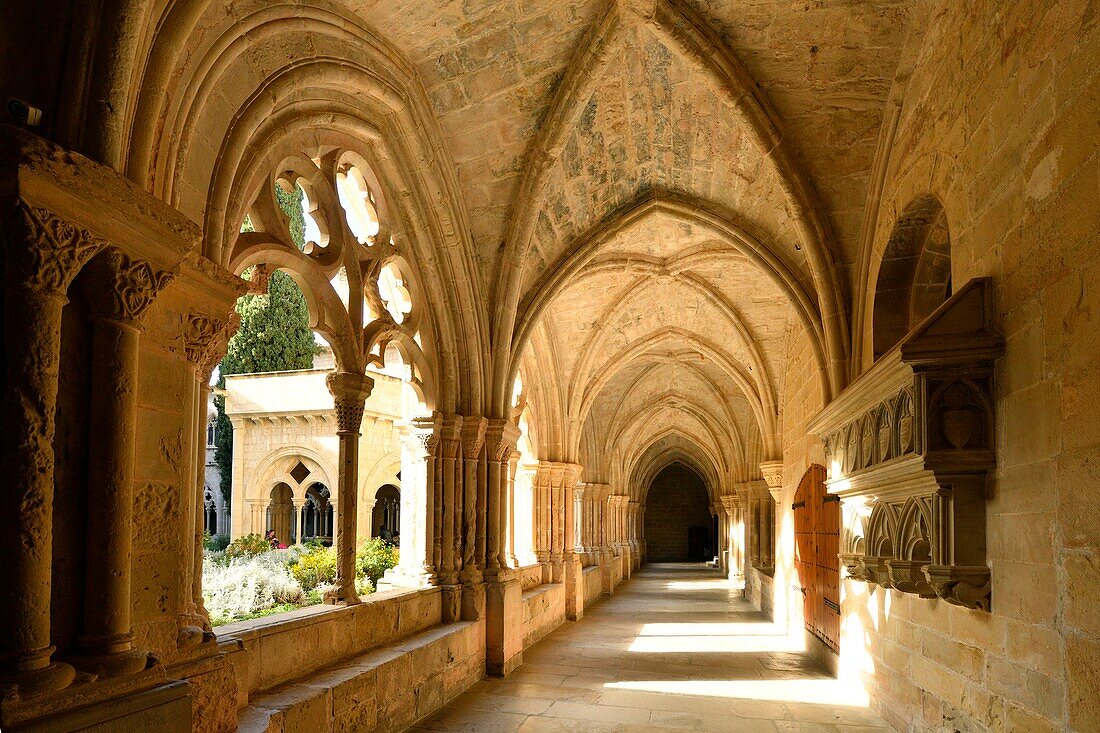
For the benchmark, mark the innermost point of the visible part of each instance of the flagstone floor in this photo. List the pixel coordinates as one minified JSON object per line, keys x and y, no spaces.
{"x":674,"y":649}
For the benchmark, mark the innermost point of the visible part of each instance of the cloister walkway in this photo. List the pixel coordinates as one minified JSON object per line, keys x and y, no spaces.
{"x":674,"y":649}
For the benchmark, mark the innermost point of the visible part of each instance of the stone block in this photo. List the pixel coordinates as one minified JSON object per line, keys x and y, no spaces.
{"x":959,"y":658}
{"x":1083,"y":683}
{"x":1081,"y":573}
{"x":1017,"y":683}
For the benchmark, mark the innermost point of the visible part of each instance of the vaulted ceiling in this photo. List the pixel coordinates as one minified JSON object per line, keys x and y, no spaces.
{"x":633,"y":202}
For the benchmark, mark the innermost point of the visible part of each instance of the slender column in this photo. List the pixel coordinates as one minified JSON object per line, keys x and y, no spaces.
{"x":772,"y":472}
{"x":43,"y":254}
{"x":419,"y":443}
{"x":578,"y":514}
{"x":449,"y":445}
{"x":473,"y":441}
{"x":349,"y":392}
{"x":205,"y":339}
{"x":120,"y":290}
{"x":510,"y":494}
{"x":500,"y":442}
{"x":719,"y":511}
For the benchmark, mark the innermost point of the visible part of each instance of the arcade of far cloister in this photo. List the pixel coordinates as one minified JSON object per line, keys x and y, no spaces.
{"x":713,"y":365}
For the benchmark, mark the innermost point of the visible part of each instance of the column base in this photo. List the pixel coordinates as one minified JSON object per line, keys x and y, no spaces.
{"x":451,"y":603}
{"x":28,"y":683}
{"x":342,"y":596}
{"x":113,"y":664}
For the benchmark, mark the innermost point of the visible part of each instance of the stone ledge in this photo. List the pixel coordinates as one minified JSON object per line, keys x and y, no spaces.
{"x":268,"y":652}
{"x":385,"y":689}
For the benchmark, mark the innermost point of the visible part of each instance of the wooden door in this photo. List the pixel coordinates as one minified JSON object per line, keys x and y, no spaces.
{"x":817,"y":545}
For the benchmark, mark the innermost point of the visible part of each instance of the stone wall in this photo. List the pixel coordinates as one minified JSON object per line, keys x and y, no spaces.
{"x":543,"y":611}
{"x":998,"y":121}
{"x":677,"y":501}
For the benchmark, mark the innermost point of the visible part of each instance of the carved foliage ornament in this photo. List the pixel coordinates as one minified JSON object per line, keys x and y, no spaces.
{"x":46,"y":251}
{"x":127,"y":286}
{"x":205,"y":338}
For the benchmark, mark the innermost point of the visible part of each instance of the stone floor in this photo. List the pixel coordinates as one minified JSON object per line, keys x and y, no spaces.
{"x":673,"y":649}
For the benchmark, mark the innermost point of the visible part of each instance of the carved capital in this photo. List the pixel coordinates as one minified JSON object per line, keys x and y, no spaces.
{"x":450,"y":437}
{"x":44,"y":251}
{"x":501,"y":437}
{"x":349,"y":391}
{"x":421,"y":436}
{"x":124,"y":286}
{"x":473,"y":437}
{"x":772,"y":472}
{"x":205,"y":339}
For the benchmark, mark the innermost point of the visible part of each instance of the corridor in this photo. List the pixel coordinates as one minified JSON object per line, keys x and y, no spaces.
{"x":673,"y":649}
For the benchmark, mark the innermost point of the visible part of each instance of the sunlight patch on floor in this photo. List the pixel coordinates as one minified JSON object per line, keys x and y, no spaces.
{"x":699,"y":638}
{"x":821,"y":692}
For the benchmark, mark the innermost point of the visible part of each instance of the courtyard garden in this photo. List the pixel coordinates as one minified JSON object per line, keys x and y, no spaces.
{"x":254,"y":576}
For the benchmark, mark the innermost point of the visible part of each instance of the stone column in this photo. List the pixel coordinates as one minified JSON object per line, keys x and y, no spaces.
{"x":449,"y":515}
{"x":510,"y":545}
{"x":120,"y":290}
{"x":503,"y":594}
{"x":578,"y":518}
{"x":449,"y":445}
{"x":43,"y":253}
{"x":349,"y":392}
{"x":773,"y":479}
{"x":205,"y":340}
{"x":572,"y":570}
{"x":500,"y":441}
{"x":473,"y":444}
{"x":419,"y":443}
{"x":719,"y":511}
{"x":729,"y":502}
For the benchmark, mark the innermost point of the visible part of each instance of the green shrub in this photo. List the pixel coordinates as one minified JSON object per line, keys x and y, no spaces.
{"x":249,"y":545}
{"x":375,"y":557}
{"x":215,"y":543}
{"x":315,"y":568}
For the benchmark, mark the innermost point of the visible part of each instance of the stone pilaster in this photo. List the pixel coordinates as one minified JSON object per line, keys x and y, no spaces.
{"x":349,"y":393}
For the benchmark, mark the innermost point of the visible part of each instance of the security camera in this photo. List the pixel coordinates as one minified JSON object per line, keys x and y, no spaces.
{"x":24,"y":112}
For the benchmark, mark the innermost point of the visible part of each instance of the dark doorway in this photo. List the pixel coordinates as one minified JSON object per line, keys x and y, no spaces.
{"x":677,"y":517}
{"x":699,"y":544}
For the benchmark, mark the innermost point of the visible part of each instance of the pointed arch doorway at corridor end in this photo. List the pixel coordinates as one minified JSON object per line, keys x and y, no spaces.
{"x":678,"y":526}
{"x":816,"y":561}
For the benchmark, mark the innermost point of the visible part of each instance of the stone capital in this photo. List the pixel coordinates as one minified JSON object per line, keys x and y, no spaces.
{"x":730,"y":502}
{"x":421,"y":435}
{"x":349,"y":391}
{"x":205,"y":339}
{"x":773,"y":474}
{"x":45,"y":251}
{"x":501,"y":437}
{"x":123,"y":287}
{"x":450,"y":435}
{"x":473,"y":437}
